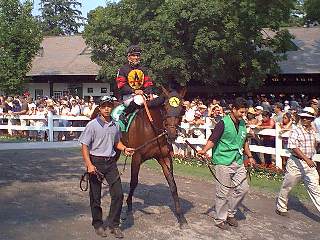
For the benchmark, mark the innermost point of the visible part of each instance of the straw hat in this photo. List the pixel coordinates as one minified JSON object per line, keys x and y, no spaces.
{"x":64,"y":102}
{"x":251,"y":110}
{"x":307,"y":112}
{"x":197,"y":114}
{"x":203,"y":106}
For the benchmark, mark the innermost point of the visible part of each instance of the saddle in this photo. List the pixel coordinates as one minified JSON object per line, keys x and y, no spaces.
{"x":115,"y":114}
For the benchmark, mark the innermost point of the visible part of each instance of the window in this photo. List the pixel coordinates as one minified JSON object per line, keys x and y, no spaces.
{"x":104,"y":90}
{"x":57,"y":94}
{"x":38,"y":92}
{"x":90,"y":90}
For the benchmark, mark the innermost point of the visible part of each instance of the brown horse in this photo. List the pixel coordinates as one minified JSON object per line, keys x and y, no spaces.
{"x":153,"y":140}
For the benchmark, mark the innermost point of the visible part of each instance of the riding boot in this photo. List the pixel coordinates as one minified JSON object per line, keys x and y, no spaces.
{"x":126,"y":112}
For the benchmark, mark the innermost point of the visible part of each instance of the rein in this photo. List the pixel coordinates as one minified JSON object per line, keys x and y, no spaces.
{"x":151,"y":140}
{"x":147,"y":109}
{"x":212,"y":172}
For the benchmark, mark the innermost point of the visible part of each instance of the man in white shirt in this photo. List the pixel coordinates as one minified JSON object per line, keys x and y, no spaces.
{"x":300,"y":165}
{"x":75,"y":111}
{"x":88,"y":110}
{"x":189,"y":114}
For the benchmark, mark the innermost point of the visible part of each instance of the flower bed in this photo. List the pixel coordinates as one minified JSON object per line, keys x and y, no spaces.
{"x":258,"y":171}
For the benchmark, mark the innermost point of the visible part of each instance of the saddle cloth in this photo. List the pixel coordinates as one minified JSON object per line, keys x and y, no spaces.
{"x":115,"y":114}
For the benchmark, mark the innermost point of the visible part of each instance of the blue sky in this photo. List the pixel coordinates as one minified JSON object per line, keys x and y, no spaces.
{"x":87,"y":5}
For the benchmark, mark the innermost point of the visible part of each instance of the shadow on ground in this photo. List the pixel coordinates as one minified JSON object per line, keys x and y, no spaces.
{"x":40,"y":186}
{"x":40,"y":199}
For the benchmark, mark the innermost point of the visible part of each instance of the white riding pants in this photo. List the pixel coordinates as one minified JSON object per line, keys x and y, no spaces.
{"x":138,"y":99}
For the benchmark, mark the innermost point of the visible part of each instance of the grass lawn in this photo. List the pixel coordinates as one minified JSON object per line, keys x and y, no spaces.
{"x":11,"y":139}
{"x":203,"y":173}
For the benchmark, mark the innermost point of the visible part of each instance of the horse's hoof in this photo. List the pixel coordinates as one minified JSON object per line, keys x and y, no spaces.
{"x":127,"y":220}
{"x":183,"y":224}
{"x":129,"y":209}
{"x":124,"y":216}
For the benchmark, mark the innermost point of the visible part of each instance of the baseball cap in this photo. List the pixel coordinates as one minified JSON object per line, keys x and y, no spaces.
{"x":106,"y":100}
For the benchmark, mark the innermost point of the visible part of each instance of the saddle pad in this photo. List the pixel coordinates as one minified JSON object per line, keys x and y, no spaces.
{"x":115,"y":114}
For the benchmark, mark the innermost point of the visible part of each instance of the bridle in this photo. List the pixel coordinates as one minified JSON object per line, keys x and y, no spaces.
{"x":169,"y":126}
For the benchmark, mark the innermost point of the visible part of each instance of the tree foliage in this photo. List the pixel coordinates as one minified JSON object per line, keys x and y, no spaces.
{"x":60,"y":17}
{"x":312,"y":8}
{"x":20,"y":38}
{"x":297,"y":15}
{"x":210,"y":41}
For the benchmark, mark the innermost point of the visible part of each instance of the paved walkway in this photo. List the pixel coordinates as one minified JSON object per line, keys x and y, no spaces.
{"x":38,"y":145}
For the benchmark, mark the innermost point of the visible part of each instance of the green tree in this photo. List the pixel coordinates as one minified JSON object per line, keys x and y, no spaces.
{"x":312,"y":8}
{"x":20,"y":38}
{"x":211,"y":41}
{"x":60,"y":17}
{"x":297,"y":15}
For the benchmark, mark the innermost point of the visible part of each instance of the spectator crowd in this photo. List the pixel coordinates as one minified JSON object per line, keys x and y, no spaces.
{"x":13,"y":106}
{"x":265,"y":112}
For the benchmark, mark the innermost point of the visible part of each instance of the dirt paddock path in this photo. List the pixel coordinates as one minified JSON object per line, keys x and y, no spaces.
{"x":40,"y":200}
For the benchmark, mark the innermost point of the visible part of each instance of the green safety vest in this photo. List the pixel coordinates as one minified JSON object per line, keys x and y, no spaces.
{"x":230,"y":146}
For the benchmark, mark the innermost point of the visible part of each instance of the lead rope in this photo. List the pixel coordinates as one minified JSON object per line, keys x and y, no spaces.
{"x":85,"y":177}
{"x":212,"y":172}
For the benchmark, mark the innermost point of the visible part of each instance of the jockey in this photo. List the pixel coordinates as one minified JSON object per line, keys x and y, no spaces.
{"x":133,"y":82}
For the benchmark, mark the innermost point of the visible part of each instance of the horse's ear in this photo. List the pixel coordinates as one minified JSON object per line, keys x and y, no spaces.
{"x":165,"y":91}
{"x":183,"y":91}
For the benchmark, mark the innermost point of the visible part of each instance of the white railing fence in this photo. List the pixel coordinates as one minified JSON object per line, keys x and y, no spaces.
{"x":52,"y":125}
{"x":278,"y":150}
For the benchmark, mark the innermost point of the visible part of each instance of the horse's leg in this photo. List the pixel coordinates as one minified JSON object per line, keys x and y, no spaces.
{"x":167,"y":168}
{"x":135,"y":168}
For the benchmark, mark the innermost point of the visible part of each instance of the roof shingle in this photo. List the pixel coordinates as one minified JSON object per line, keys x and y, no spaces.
{"x":62,"y":56}
{"x":306,"y":59}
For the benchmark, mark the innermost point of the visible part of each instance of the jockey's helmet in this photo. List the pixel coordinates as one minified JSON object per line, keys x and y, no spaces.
{"x":134,"y":53}
{"x":134,"y":50}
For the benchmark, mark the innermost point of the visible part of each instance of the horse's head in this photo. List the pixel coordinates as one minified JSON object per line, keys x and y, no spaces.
{"x":174,"y":111}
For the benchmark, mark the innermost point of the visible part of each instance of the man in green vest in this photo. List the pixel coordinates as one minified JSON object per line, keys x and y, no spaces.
{"x":228,"y":142}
